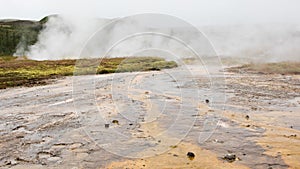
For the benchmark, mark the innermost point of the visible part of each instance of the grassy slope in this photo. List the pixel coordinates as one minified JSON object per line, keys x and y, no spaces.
{"x":17,"y":32}
{"x":23,"y":72}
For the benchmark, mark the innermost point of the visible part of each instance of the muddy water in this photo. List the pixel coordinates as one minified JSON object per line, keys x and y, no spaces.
{"x":154,"y":119}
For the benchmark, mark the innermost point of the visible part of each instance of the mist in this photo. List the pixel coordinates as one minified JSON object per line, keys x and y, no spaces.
{"x":256,"y":42}
{"x":64,"y":36}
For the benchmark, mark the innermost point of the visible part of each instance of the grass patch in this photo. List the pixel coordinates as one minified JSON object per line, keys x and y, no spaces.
{"x":269,"y":68}
{"x":24,"y":72}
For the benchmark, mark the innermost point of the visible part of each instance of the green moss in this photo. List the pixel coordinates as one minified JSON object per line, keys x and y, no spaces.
{"x":23,"y":72}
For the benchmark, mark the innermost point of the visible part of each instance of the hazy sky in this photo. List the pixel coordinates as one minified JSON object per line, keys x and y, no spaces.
{"x":197,"y":12}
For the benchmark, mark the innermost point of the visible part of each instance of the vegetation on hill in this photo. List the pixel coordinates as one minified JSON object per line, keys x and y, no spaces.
{"x":18,"y":32}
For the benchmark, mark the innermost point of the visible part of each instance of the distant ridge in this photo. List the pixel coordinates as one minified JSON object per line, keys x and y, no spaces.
{"x":15,"y":32}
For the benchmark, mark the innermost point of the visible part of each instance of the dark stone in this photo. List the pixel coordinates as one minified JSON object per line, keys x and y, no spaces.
{"x":247,"y":117}
{"x":207,"y":101}
{"x":230,"y":157}
{"x":106,"y":125}
{"x":115,"y":122}
{"x":191,"y":155}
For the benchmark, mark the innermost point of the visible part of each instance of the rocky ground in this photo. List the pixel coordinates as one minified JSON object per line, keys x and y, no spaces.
{"x":152,"y":120}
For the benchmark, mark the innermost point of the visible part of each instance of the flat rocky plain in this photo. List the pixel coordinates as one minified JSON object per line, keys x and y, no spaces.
{"x":152,"y":120}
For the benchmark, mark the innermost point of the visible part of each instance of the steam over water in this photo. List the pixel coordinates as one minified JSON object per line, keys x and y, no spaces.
{"x":64,"y":37}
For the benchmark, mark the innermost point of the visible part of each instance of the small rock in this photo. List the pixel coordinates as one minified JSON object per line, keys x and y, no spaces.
{"x":115,"y":122}
{"x":191,"y":155}
{"x":11,"y":162}
{"x":230,"y":157}
{"x":106,"y":125}
{"x":293,"y":135}
{"x":218,"y":141}
{"x":247,"y":117}
{"x":254,"y":108}
{"x":207,"y":101}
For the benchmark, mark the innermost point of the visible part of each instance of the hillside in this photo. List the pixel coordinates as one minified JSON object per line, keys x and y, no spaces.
{"x":18,"y":32}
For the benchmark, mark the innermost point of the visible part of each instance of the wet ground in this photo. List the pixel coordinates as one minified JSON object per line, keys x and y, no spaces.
{"x":152,"y":120}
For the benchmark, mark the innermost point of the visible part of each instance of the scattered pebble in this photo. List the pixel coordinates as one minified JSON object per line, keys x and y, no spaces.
{"x":218,"y":141}
{"x":173,"y":146}
{"x":140,"y":130}
{"x":191,"y":155}
{"x":254,"y":108}
{"x":247,"y":117}
{"x":106,"y":125}
{"x":11,"y":162}
{"x":207,"y":101}
{"x":115,"y":122}
{"x":230,"y":157}
{"x":293,"y":135}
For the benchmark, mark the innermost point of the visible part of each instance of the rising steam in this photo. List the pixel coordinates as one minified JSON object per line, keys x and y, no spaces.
{"x":64,"y":36}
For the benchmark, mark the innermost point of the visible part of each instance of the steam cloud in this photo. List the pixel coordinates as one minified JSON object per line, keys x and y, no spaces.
{"x":64,"y":36}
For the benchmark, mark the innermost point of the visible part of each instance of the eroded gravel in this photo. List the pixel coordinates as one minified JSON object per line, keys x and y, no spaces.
{"x":57,"y":126}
